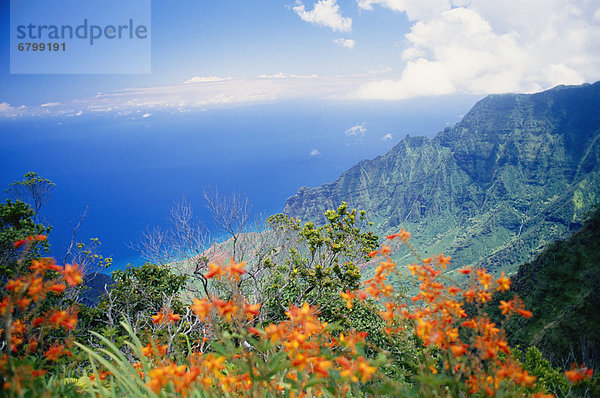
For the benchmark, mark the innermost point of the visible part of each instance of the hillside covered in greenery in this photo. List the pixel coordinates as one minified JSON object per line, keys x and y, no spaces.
{"x":516,"y":173}
{"x":560,"y":287}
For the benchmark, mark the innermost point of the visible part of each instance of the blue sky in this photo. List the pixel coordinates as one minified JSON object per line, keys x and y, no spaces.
{"x":238,"y":39}
{"x":239,"y":52}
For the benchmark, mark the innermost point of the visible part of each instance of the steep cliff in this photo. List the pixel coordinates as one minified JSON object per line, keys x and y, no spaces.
{"x":516,"y":173}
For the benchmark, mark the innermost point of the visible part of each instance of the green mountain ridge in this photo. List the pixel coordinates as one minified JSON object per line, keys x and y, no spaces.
{"x":560,"y":287}
{"x":519,"y":171}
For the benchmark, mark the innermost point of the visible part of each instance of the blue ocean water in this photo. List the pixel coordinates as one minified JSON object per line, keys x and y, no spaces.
{"x":129,"y":170}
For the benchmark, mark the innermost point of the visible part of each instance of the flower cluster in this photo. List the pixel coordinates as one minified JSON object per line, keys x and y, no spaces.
{"x":312,"y":353}
{"x":472,"y":350}
{"x":463,"y":351}
{"x":26,"y":324}
{"x":577,"y":374}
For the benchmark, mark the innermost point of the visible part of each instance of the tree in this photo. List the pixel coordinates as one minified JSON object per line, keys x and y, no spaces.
{"x":33,"y":188}
{"x":315,"y":263}
{"x":17,"y":223}
{"x":138,"y":293}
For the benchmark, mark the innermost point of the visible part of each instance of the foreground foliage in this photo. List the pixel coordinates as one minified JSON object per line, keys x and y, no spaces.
{"x":454,"y":348}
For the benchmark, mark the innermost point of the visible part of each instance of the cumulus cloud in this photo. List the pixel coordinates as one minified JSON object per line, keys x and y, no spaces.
{"x":387,"y":137}
{"x":5,"y":107}
{"x":7,"y":110}
{"x":205,"y":79}
{"x":315,"y":152}
{"x":50,"y":104}
{"x":415,"y":10}
{"x":325,"y":13}
{"x":482,"y":47}
{"x":145,"y":115}
{"x":348,"y":43}
{"x":358,"y":130}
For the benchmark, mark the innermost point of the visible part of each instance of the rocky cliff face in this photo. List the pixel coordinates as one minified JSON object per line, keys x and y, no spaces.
{"x":516,"y":173}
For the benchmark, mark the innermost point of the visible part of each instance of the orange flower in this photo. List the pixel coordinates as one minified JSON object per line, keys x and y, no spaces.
{"x":503,"y":283}
{"x":484,"y":296}
{"x":385,"y":250}
{"x":236,"y":270}
{"x":443,"y":261}
{"x":348,"y":296}
{"x":275,"y":332}
{"x":64,"y":319}
{"x":36,"y":288}
{"x":251,"y":310}
{"x":300,"y":361}
{"x":172,"y":318}
{"x":458,"y":350}
{"x":214,"y":271}
{"x":23,"y":303}
{"x":58,"y":288}
{"x":577,"y":374}
{"x":484,"y":278}
{"x":402,"y":235}
{"x":148,"y":350}
{"x":161,"y":317}
{"x":57,"y":351}
{"x":44,"y":264}
{"x":201,"y":308}
{"x":72,"y":274}
{"x":3,"y":306}
{"x":321,"y":366}
{"x":524,"y":313}
{"x":365,"y":370}
{"x":15,"y":285}
{"x":464,"y":271}
{"x":158,"y":318}
{"x":226,"y":308}
{"x":506,"y":306}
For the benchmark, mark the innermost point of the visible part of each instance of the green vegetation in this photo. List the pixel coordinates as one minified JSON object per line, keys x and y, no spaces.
{"x":16,"y":223}
{"x":518,"y":172}
{"x":561,"y":288}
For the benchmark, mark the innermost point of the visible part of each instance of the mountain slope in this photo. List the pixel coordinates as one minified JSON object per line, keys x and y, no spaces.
{"x":561,"y":288}
{"x":516,"y":173}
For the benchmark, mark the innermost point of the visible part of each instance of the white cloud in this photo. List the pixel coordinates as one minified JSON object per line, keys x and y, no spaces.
{"x":387,"y":137}
{"x":199,"y":97}
{"x":282,"y":75}
{"x":358,"y":130}
{"x":205,"y":79}
{"x":348,"y":43}
{"x":325,"y":13}
{"x":7,"y":110}
{"x":315,"y":152}
{"x":415,"y":10}
{"x":50,"y":104}
{"x":145,"y":115}
{"x":482,"y":47}
{"x":5,"y":107}
{"x":279,"y":75}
